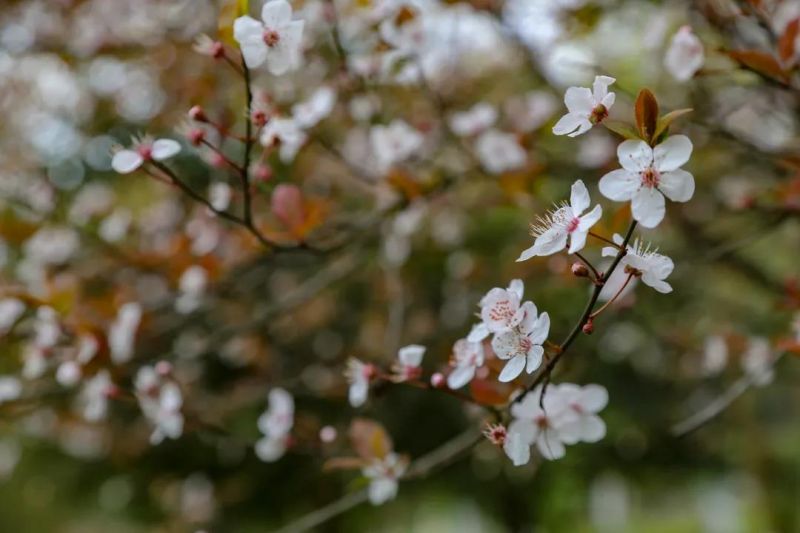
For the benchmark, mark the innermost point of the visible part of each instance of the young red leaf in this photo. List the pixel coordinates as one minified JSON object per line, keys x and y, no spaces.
{"x":646,"y":114}
{"x":369,"y":439}
{"x":759,"y":62}
{"x":786,"y":44}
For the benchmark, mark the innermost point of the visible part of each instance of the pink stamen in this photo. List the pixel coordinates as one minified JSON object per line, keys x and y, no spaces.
{"x":146,"y":151}
{"x":271,"y":37}
{"x":573,"y":224}
{"x":650,"y":177}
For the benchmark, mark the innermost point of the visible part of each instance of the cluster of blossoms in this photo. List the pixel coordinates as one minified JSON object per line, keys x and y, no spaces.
{"x":275,"y":424}
{"x":160,"y":399}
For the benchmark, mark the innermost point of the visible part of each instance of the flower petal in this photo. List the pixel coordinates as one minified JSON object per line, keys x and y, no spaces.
{"x":600,"y":87}
{"x":647,"y":206}
{"x":579,"y":198}
{"x":527,"y":254}
{"x":569,"y":123}
{"x":512,"y":369}
{"x":549,"y":446}
{"x":506,"y":344}
{"x":672,"y":153}
{"x":411,"y":355}
{"x":534,"y":358}
{"x":460,"y":376}
{"x":577,"y":240}
{"x":276,"y":13}
{"x":593,"y":398}
{"x":551,"y":241}
{"x":619,"y":185}
{"x":677,"y":185}
{"x":540,"y":329}
{"x":517,"y":449}
{"x":126,"y":161}
{"x":579,"y":100}
{"x":165,"y":148}
{"x":590,"y":219}
{"x":635,"y":156}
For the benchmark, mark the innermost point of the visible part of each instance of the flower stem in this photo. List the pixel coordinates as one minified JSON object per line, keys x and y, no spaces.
{"x":601,"y":238}
{"x":613,"y":298}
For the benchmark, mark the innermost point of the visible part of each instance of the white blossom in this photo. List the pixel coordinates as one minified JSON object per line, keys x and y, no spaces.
{"x":10,"y":388}
{"x":122,"y":332}
{"x":285,"y":133}
{"x":358,"y":375}
{"x":309,"y":113}
{"x":275,"y":424}
{"x":409,"y":359}
{"x":757,"y":361}
{"x":499,"y":152}
{"x":383,"y":474}
{"x":586,"y":107}
{"x":126,"y":161}
{"x":160,"y":400}
{"x":11,"y":309}
{"x":276,"y":40}
{"x":651,"y":266}
{"x":566,"y":222}
{"x":522,"y":346}
{"x":467,"y":358}
{"x":394,"y":143}
{"x":473,"y":121}
{"x":647,"y":175}
{"x":685,"y":55}
{"x":583,"y":424}
{"x":500,"y":308}
{"x":93,"y":398}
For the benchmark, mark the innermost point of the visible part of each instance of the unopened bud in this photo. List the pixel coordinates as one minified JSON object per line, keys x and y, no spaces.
{"x":370,"y":371}
{"x":196,"y":136}
{"x":588,"y":328}
{"x":262,"y":173}
{"x":327,"y":434}
{"x":437,"y":380}
{"x":580,"y":270}
{"x":164,"y":368}
{"x":259,"y":118}
{"x":217,"y":50}
{"x":197,"y":113}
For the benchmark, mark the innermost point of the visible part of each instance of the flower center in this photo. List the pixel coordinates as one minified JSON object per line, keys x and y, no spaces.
{"x":541,"y":421}
{"x":146,"y":151}
{"x":501,"y":311}
{"x":271,"y":37}
{"x":650,"y":177}
{"x":599,"y":113}
{"x":572,"y":225}
{"x":525,"y":344}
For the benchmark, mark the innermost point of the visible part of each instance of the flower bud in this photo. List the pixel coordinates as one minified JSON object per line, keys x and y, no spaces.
{"x":579,"y":270}
{"x":327,"y":434}
{"x":197,"y":113}
{"x":262,"y":173}
{"x":196,"y":136}
{"x":163,"y":368}
{"x":588,"y":328}
{"x":259,"y":117}
{"x":437,"y":380}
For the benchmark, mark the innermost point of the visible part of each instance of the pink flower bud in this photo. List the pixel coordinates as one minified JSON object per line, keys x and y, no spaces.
{"x":197,"y":113}
{"x":437,"y":380}
{"x":217,"y":50}
{"x":262,"y":173}
{"x":196,"y":136}
{"x":259,"y":117}
{"x":164,"y":368}
{"x":579,"y":270}
{"x":588,"y":328}
{"x":328,"y":434}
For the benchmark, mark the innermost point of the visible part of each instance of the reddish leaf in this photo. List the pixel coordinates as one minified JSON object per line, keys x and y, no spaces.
{"x":759,"y":62}
{"x":646,"y":114}
{"x":786,"y":44}
{"x":369,"y":439}
{"x":343,"y":463}
{"x":489,"y":392}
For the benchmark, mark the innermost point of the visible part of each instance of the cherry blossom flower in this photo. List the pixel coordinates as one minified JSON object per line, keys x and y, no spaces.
{"x":585,"y":402}
{"x":649,"y":174}
{"x":275,"y":423}
{"x":122,"y":332}
{"x":309,"y":113}
{"x":10,"y":311}
{"x":10,"y":388}
{"x":277,"y":40}
{"x":543,"y":427}
{"x":564,"y":223}
{"x":160,"y":400}
{"x":651,"y":266}
{"x":93,"y":398}
{"x":685,"y":55}
{"x":499,"y":152}
{"x":358,"y":374}
{"x":408,"y":363}
{"x":285,"y":133}
{"x":473,"y":121}
{"x":383,"y":474}
{"x":394,"y":143}
{"x":513,"y":443}
{"x":500,"y":309}
{"x":522,"y":346}
{"x":192,"y":286}
{"x":757,"y":361}
{"x":715,"y":355}
{"x":467,"y":358}
{"x":126,"y":161}
{"x":586,"y":107}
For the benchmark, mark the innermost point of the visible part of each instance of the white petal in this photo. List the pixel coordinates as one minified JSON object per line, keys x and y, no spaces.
{"x":534,"y":359}
{"x":517,"y":449}
{"x":478,"y":333}
{"x":382,"y":490}
{"x":517,"y":287}
{"x":570,"y":123}
{"x":593,"y":429}
{"x":672,"y":153}
{"x":600,"y":87}
{"x":593,"y":398}
{"x":527,"y":254}
{"x":411,"y":355}
{"x":551,"y":241}
{"x":247,"y":29}
{"x":608,"y":100}
{"x":254,"y":52}
{"x":619,"y":185}
{"x":577,"y":240}
{"x":358,"y":393}
{"x":540,"y":329}
{"x":579,"y":198}
{"x":512,"y":369}
{"x":268,"y":449}
{"x":584,"y":126}
{"x":460,"y":376}
{"x":579,"y":100}
{"x":647,"y":206}
{"x":677,"y":185}
{"x":506,"y":344}
{"x":126,"y":161}
{"x":276,"y":13}
{"x":550,"y":447}
{"x":165,"y":148}
{"x":661,"y":286}
{"x":590,"y":219}
{"x":635,"y":156}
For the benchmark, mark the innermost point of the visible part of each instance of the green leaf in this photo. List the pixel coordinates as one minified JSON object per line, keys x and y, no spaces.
{"x":622,"y":129}
{"x":665,"y":121}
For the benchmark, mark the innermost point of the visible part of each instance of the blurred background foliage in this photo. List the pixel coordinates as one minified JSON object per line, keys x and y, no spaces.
{"x":411,"y":255}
